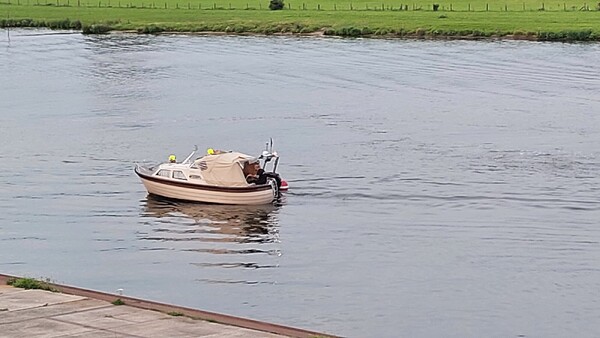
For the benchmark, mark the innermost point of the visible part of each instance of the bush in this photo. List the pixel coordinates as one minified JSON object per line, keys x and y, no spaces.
{"x":118,"y":301}
{"x":30,"y":283}
{"x":151,"y":29}
{"x":57,"y":24}
{"x":583,"y":35}
{"x":64,"y":24}
{"x":329,"y":31}
{"x":420,"y":32}
{"x":366,"y":31}
{"x":96,"y":29}
{"x":276,"y":5}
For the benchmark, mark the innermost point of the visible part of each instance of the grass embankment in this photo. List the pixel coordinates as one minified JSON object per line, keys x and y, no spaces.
{"x":457,"y":19}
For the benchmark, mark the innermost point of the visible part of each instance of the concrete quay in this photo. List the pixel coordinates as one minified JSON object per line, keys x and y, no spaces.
{"x":75,"y":312}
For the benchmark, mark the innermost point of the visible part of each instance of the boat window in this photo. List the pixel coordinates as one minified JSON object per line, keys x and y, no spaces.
{"x":179,"y":175}
{"x":199,"y":165}
{"x":164,"y":173}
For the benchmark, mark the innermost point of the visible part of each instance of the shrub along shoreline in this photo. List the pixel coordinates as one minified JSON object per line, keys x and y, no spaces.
{"x":565,"y":26}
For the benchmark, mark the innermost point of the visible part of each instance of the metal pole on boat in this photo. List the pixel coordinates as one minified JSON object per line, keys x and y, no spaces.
{"x":190,"y":155}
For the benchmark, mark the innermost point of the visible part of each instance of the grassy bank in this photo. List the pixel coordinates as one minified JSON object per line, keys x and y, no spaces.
{"x":560,"y":22}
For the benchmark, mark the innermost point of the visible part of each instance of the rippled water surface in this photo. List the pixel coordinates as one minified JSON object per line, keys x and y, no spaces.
{"x":438,"y":189}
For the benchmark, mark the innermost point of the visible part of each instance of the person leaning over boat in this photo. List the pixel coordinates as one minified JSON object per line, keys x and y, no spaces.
{"x":211,"y":151}
{"x":257,"y":175}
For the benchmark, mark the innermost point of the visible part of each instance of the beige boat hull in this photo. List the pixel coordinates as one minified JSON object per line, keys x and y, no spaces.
{"x":209,"y":194}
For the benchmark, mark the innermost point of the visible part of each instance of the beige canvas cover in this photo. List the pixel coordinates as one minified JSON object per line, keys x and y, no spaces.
{"x":224,"y":169}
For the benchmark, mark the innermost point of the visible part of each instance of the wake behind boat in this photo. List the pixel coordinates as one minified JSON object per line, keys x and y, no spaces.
{"x":219,"y":177}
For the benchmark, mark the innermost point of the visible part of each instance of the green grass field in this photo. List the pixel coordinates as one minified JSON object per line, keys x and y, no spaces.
{"x":327,"y":5}
{"x":561,"y":21}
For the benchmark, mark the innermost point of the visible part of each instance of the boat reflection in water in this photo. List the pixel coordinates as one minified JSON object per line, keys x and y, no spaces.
{"x":231,"y":237}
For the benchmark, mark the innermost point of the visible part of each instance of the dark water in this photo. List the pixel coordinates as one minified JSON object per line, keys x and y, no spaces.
{"x":438,"y":189}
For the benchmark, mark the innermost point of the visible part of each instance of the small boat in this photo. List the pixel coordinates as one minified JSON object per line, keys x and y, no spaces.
{"x":218,"y":177}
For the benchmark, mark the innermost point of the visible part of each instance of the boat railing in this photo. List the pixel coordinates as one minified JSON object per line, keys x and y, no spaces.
{"x":188,"y":160}
{"x":148,"y":170}
{"x":267,"y":156}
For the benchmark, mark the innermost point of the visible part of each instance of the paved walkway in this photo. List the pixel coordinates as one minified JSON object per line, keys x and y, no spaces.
{"x":37,"y":313}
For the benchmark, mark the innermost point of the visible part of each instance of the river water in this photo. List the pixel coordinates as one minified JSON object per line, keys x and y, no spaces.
{"x":438,"y":188}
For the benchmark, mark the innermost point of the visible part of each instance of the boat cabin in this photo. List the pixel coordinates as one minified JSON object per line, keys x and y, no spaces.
{"x":225,"y":169}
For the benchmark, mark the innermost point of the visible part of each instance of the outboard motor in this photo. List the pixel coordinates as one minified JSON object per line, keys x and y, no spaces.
{"x":267,"y":156}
